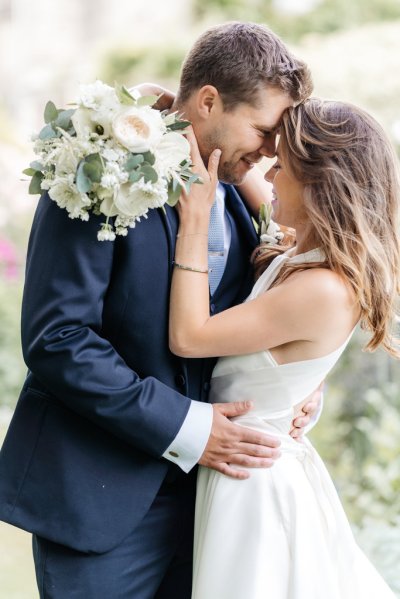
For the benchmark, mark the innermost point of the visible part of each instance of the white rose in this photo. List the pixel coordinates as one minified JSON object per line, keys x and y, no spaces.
{"x":173,"y":149}
{"x":66,"y":195}
{"x":138,"y":129}
{"x":135,"y":200}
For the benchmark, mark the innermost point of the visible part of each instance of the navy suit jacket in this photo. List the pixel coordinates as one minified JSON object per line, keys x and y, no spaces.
{"x":104,"y":396}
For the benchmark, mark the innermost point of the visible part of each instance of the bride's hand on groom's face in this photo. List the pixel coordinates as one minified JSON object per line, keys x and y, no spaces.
{"x":202,"y":195}
{"x":231,"y":445}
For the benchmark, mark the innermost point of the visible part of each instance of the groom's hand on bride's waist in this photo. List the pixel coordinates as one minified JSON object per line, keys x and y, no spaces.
{"x":232,"y":445}
{"x":307,"y":413}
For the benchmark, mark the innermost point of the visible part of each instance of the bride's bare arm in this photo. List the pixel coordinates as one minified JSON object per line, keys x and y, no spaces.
{"x":300,"y":309}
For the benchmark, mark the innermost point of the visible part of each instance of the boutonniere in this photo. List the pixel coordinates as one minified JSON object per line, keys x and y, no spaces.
{"x":268,"y":230}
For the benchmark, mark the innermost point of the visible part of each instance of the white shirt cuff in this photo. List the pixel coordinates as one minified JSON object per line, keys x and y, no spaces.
{"x":189,"y":444}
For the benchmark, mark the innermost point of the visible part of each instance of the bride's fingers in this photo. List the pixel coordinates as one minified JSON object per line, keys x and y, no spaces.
{"x":194,"y":150}
{"x":213,"y":164}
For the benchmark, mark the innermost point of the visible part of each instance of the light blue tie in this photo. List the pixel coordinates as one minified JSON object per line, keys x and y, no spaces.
{"x":216,"y":258}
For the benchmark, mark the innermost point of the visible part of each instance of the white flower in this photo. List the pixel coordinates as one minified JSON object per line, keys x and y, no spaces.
{"x":109,"y":181}
{"x":67,"y":161}
{"x":173,"y":149}
{"x":135,"y":200}
{"x":139,"y":129}
{"x":98,"y":96}
{"x":66,"y":195}
{"x":86,"y":122}
{"x":271,"y":234}
{"x":110,"y":154}
{"x":108,"y":207}
{"x":106,"y":233}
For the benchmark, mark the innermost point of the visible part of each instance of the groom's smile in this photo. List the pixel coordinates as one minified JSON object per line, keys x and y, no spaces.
{"x":245,"y":134}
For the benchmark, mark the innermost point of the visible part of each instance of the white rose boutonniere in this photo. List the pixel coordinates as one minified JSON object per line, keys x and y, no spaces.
{"x":113,"y":154}
{"x":269,"y":231}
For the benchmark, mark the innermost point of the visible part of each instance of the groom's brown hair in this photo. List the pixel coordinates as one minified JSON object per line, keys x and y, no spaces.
{"x":240,"y":59}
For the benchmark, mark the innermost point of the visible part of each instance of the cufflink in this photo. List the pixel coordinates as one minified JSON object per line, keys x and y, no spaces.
{"x":173,"y":454}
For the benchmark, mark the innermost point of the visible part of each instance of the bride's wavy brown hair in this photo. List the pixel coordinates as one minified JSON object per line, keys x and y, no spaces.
{"x":349,"y":171}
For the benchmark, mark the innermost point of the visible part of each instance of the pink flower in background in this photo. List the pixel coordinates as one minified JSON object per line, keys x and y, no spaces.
{"x":8,"y":260}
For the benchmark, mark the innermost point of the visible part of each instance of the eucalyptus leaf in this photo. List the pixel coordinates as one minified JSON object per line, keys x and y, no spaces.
{"x":36,"y":165}
{"x":179,"y":125}
{"x":93,"y":167}
{"x":50,"y":112}
{"x":92,"y":171}
{"x":34,"y":186}
{"x":123,"y":95}
{"x":47,"y":132}
{"x":29,"y":171}
{"x":149,"y":158}
{"x":169,"y":119}
{"x":134,"y":176}
{"x":64,"y":119}
{"x":174,"y":193}
{"x":83,"y":182}
{"x":133,"y":162}
{"x":149,"y":174}
{"x":147,"y":100}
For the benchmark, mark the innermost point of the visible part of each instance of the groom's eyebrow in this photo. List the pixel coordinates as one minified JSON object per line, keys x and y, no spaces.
{"x":268,"y":130}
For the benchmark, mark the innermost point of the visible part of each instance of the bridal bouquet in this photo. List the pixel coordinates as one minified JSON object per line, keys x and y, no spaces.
{"x":112,"y":154}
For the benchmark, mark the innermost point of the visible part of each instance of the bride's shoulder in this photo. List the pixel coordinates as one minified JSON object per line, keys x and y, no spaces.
{"x":321,"y":286}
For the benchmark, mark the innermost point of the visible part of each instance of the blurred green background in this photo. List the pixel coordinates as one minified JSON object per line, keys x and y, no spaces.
{"x":353,"y":49}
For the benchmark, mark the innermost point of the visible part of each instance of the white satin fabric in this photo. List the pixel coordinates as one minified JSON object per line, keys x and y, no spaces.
{"x":282,"y":533}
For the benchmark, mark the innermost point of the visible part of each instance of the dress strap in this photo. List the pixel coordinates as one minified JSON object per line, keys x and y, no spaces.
{"x":270,"y":274}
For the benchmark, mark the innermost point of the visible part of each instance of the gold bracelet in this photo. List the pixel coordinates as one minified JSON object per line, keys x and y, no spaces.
{"x":191,"y":269}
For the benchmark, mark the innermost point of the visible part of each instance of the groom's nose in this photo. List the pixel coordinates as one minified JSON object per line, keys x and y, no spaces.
{"x":268,"y":149}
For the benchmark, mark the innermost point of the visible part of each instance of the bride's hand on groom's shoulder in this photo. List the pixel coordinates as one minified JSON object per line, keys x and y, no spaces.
{"x":231,"y":446}
{"x":166,"y":96}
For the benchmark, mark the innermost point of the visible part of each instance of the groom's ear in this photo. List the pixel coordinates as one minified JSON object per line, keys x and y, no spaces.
{"x":208,"y":102}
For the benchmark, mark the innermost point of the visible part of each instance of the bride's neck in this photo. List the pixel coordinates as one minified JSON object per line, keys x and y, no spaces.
{"x":305,"y":240}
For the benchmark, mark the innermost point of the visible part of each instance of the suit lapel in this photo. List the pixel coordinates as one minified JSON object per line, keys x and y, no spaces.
{"x":170,"y":221}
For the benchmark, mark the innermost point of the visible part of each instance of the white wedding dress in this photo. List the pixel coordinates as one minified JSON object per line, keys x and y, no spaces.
{"x":282,"y":533}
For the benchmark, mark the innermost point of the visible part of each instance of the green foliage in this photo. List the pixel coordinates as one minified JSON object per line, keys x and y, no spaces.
{"x":124,"y":95}
{"x":325,"y":17}
{"x":12,"y":367}
{"x":89,"y":172}
{"x":134,"y":64}
{"x":358,"y":434}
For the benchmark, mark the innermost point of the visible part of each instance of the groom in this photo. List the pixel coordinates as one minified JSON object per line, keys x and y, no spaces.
{"x":99,"y":459}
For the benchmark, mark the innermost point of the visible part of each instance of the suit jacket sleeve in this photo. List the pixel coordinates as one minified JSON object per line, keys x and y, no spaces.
{"x":68,"y":273}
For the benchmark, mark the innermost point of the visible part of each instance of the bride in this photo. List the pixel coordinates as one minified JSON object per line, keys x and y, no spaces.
{"x":281,"y":533}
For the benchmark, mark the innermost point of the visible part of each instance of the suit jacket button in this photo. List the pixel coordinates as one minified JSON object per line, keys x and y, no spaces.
{"x":206,"y":387}
{"x":180,"y":380}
